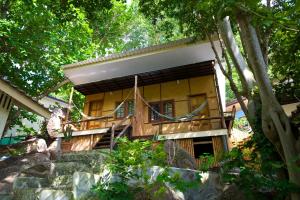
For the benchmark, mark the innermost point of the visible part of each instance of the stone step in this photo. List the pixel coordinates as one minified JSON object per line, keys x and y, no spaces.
{"x":42,"y":194}
{"x":29,"y":182}
{"x":61,"y":182}
{"x":84,"y":156}
{"x":68,"y":168}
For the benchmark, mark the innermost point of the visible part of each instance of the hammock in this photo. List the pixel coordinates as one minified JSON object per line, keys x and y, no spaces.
{"x":185,"y":117}
{"x":105,"y":116}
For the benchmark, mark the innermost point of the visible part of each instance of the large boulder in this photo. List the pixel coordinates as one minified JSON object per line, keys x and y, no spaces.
{"x":178,"y":157}
{"x":37,"y":164}
{"x":207,"y":187}
{"x":82,"y":183}
{"x":33,"y":164}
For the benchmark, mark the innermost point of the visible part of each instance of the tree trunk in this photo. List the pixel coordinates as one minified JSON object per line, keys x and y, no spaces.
{"x":242,"y":68}
{"x":245,"y":74}
{"x":274,"y":121}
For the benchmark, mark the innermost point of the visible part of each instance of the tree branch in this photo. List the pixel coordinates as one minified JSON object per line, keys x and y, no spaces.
{"x":231,"y":82}
{"x":52,"y":89}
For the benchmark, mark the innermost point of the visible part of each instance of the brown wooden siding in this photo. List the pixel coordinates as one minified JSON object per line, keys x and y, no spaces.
{"x":84,"y":143}
{"x":187,"y":144}
{"x":179,"y":91}
{"x":218,"y":146}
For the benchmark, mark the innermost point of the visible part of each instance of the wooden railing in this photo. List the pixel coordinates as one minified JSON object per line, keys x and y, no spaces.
{"x":116,"y":126}
{"x":191,"y":120}
{"x":83,"y":124}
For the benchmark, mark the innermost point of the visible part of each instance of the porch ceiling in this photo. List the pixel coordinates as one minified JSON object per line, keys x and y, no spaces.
{"x":121,"y":66}
{"x":148,"y":78}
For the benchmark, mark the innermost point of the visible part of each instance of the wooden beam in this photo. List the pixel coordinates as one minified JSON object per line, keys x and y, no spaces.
{"x":200,"y":119}
{"x":69,"y":104}
{"x":187,"y":135}
{"x":22,"y":100}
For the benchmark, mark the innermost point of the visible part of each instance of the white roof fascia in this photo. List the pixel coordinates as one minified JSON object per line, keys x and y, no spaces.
{"x":87,"y":132}
{"x":218,"y":132}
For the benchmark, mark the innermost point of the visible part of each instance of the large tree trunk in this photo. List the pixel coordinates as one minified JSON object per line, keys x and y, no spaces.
{"x":244,"y":72}
{"x":242,"y":68}
{"x":276,"y":125}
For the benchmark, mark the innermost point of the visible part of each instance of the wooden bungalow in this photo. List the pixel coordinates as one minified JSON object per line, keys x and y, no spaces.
{"x":172,"y":91}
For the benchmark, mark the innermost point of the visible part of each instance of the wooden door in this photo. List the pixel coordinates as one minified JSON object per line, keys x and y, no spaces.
{"x":95,"y":110}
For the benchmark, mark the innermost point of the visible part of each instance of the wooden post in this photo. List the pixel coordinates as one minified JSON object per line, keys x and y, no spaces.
{"x":219,"y":100}
{"x":69,"y":104}
{"x":112,"y":136}
{"x":135,"y":105}
{"x":135,"y":92}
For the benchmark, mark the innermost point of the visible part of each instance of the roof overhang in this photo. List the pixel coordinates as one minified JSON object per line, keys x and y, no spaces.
{"x":148,"y":78}
{"x":183,"y":52}
{"x":23,"y":100}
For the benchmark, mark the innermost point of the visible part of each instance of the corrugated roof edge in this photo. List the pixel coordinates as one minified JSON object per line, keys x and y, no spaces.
{"x":22,"y":92}
{"x":54,"y":98}
{"x":133,"y":52}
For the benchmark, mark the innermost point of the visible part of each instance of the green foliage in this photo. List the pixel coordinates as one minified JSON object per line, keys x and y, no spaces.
{"x":38,"y":37}
{"x":130,"y":161}
{"x":68,"y":133}
{"x":115,"y":191}
{"x":241,"y":124}
{"x":207,"y":161}
{"x":17,"y":151}
{"x":258,"y":177}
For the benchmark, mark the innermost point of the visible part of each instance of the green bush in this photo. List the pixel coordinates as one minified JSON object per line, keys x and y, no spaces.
{"x":206,"y":162}
{"x":130,"y":161}
{"x":253,"y":178}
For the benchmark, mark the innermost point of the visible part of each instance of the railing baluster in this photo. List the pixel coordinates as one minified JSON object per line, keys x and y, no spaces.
{"x":112,"y":136}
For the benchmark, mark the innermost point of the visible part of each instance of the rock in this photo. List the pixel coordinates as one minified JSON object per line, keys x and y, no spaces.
{"x":232,"y":192}
{"x":62,"y":182}
{"x":178,"y":157}
{"x":7,"y":183}
{"x":69,"y":168}
{"x":54,"y":123}
{"x":29,"y":182}
{"x":42,"y":194}
{"x":55,"y":195}
{"x":208,"y":187}
{"x":37,"y":164}
{"x":83,"y":182}
{"x":5,"y":197}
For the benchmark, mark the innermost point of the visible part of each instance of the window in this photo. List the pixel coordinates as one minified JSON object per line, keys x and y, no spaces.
{"x":153,"y":115}
{"x":203,"y":146}
{"x":164,"y":107}
{"x":126,"y":109}
{"x":130,"y":107}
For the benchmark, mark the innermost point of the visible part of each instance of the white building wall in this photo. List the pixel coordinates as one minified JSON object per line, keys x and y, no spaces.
{"x":222,"y":85}
{"x":46,"y":102}
{"x":5,"y":105}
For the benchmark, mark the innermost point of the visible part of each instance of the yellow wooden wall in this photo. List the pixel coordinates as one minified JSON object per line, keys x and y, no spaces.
{"x":179,"y":91}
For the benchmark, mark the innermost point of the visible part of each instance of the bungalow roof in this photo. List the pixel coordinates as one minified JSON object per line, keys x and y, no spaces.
{"x":184,"y":52}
